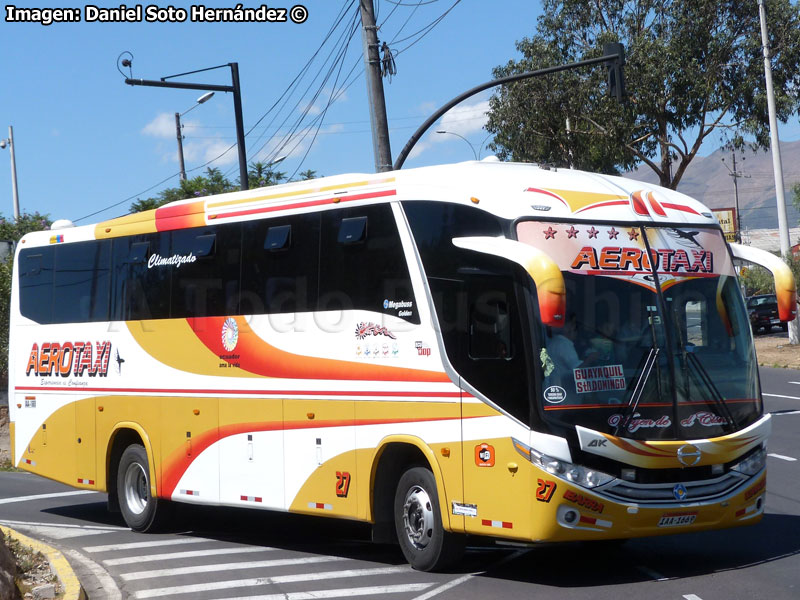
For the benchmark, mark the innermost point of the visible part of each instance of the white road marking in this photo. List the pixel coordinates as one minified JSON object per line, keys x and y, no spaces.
{"x":129,"y":560}
{"x":135,"y":545}
{"x":311,"y":595}
{"x":55,"y":532}
{"x":782,"y":457}
{"x":692,"y":597}
{"x":444,"y":587}
{"x":45,"y":496}
{"x":256,"y":564}
{"x":795,"y":382}
{"x":780,"y":396}
{"x":101,"y":528}
{"x":339,"y":574}
{"x":451,"y":584}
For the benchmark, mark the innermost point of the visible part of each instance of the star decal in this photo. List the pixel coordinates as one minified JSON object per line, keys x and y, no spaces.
{"x":549,"y":233}
{"x":572,"y":232}
{"x":633,"y":234}
{"x":593,"y":232}
{"x":612,"y":234}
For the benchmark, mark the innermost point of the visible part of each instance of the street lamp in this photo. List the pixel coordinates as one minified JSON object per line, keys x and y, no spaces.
{"x":475,"y":154}
{"x":200,"y":100}
{"x":234,"y":88}
{"x":10,"y":143}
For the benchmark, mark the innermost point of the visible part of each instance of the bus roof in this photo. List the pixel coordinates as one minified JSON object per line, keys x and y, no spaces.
{"x":508,"y":190}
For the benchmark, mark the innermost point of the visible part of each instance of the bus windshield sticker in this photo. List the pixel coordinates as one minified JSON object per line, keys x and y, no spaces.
{"x":636,"y":422}
{"x":676,"y":254}
{"x":555,"y":394}
{"x":604,"y":378}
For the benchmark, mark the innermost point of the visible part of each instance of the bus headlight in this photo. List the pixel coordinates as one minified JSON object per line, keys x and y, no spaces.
{"x":753,"y":463}
{"x":588,"y":478}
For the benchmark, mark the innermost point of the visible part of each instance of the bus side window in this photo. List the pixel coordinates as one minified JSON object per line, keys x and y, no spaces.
{"x":82,"y":282}
{"x":490,"y":328}
{"x":141,"y":290}
{"x":207,"y":284}
{"x":280,"y":263}
{"x":36,"y":284}
{"x":363,"y":265}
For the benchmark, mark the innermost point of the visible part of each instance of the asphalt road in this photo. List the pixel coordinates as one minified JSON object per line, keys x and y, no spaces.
{"x":227,"y":553}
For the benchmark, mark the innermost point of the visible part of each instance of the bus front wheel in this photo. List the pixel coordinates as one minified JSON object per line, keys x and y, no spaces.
{"x":139,"y":508}
{"x":423,"y":540}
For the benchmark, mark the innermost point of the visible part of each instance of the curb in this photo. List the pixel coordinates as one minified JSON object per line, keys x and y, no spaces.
{"x":69,"y":581}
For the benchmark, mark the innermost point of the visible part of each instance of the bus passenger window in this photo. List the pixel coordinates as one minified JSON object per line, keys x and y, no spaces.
{"x":36,"y":284}
{"x":82,"y":282}
{"x":490,"y":330}
{"x":206,"y":283}
{"x":363,"y":264}
{"x":280,"y":265}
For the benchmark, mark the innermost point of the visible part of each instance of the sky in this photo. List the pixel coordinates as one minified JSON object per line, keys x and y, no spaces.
{"x":88,"y":145}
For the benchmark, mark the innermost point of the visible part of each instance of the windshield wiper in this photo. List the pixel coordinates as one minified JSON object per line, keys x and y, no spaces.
{"x":705,"y":379}
{"x":638,"y":390}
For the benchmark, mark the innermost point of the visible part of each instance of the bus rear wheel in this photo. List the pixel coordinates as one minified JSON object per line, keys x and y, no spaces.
{"x":139,"y":508}
{"x":418,"y":522}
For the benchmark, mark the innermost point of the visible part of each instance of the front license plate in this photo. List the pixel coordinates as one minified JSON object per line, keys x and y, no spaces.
{"x":774,"y":321}
{"x":673,"y":520}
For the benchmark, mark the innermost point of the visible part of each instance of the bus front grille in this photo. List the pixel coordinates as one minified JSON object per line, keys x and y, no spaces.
{"x":661,"y":493}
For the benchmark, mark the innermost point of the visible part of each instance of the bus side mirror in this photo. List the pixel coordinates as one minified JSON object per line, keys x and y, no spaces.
{"x":550,"y":288}
{"x":785,"y":290}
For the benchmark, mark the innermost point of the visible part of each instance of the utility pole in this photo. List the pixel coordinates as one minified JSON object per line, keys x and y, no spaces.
{"x":180,"y":145}
{"x":377,"y":101}
{"x":736,"y":174}
{"x":10,"y":142}
{"x":777,"y":167}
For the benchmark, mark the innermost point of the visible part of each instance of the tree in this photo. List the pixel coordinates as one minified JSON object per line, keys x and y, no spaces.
{"x":13,"y":231}
{"x":213,"y":182}
{"x":261,"y":174}
{"x":308,"y":174}
{"x":693,"y":68}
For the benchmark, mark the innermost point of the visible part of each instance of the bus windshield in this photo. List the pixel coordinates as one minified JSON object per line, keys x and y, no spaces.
{"x":656,"y":343}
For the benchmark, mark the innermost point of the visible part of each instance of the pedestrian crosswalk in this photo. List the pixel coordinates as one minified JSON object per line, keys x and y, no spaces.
{"x":184,"y":566}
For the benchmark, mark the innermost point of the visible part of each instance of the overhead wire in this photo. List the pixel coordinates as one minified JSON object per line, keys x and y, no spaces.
{"x":334,"y":70}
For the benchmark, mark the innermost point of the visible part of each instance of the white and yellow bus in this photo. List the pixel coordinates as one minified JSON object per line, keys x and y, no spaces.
{"x":483,"y":348}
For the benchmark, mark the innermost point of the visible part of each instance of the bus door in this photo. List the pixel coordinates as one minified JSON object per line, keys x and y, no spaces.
{"x":492,"y":360}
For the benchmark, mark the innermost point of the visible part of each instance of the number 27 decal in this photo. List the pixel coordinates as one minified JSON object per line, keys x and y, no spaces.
{"x":545,"y":490}
{"x":342,"y":483}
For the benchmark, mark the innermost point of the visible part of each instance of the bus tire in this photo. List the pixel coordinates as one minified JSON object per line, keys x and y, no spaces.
{"x":139,"y":508}
{"x":418,"y":522}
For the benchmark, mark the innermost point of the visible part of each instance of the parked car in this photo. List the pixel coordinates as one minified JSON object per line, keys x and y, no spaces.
{"x":763,"y":313}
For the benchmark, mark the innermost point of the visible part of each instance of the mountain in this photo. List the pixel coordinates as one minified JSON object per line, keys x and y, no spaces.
{"x":709,"y":180}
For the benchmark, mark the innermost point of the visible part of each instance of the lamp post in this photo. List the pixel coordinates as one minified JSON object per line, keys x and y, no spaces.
{"x":10,"y":143}
{"x":200,"y":100}
{"x":475,"y":154}
{"x":237,"y":102}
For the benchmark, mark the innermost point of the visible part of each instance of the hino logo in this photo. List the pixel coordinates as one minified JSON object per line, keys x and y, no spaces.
{"x":689,"y":455}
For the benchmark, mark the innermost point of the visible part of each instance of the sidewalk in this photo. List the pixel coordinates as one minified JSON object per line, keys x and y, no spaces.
{"x":69,"y":586}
